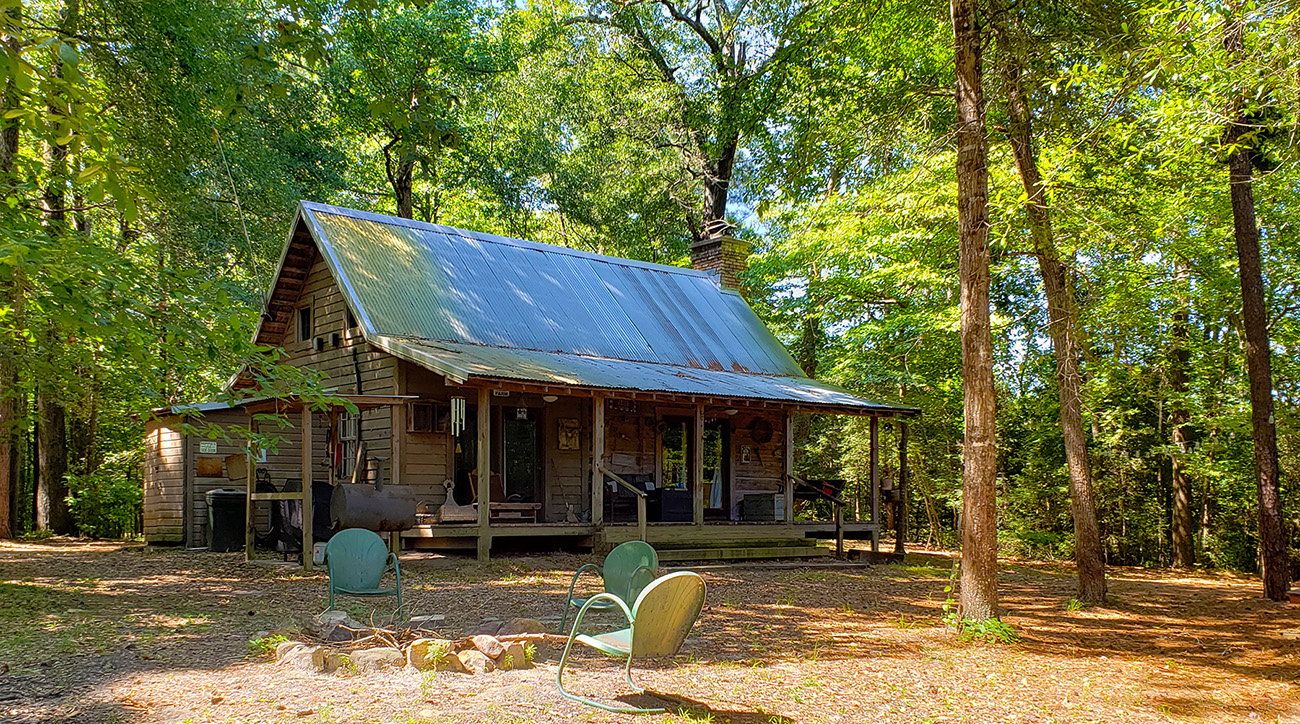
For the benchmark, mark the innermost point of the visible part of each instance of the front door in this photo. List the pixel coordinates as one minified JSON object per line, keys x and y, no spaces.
{"x":520,"y":433}
{"x":676,"y":468}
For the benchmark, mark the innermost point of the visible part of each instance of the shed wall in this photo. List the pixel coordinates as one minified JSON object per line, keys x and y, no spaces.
{"x":164,"y":482}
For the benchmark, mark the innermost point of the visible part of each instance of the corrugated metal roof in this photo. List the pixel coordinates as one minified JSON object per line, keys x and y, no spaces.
{"x":467,"y":303}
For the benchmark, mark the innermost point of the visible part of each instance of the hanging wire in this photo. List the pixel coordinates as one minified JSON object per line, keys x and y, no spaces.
{"x":263,"y":291}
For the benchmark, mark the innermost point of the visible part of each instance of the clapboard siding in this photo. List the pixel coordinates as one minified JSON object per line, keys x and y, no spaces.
{"x":164,"y":482}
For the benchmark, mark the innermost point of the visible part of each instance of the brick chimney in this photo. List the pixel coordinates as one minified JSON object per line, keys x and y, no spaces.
{"x":725,"y":256}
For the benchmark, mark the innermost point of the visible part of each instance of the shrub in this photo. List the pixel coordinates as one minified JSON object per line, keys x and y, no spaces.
{"x":108,"y":502}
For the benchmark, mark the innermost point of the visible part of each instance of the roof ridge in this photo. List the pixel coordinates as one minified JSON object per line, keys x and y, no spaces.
{"x":470,"y":234}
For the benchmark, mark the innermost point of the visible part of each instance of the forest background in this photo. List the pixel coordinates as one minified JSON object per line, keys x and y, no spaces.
{"x":151,"y":155}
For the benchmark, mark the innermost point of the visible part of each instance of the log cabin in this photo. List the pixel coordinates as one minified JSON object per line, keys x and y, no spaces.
{"x":609,"y":399}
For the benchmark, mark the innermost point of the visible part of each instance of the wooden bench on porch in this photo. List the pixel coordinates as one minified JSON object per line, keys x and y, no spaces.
{"x":501,"y":510}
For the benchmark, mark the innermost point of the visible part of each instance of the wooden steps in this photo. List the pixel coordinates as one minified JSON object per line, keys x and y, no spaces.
{"x":742,"y":553}
{"x":740,"y":549}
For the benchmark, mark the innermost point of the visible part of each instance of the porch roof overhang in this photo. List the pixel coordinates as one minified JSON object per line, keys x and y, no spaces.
{"x":292,"y":403}
{"x":467,"y":363}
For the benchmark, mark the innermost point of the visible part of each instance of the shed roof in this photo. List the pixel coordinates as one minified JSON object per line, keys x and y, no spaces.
{"x":469,"y":304}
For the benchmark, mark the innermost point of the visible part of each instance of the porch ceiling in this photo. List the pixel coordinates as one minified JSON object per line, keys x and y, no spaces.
{"x":463,"y":362}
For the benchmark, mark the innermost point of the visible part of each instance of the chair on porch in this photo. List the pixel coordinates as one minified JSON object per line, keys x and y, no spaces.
{"x":357,"y":559}
{"x":657,"y":625}
{"x":628,"y":569}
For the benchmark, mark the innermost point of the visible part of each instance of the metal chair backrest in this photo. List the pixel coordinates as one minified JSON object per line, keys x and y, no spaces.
{"x":665,"y":612}
{"x":628,"y":568}
{"x":356,"y":558}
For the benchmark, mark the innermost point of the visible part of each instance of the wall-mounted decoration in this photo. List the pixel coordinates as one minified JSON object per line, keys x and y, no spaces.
{"x":521,"y":413}
{"x":761,"y":430}
{"x":568,"y":437}
{"x":745,"y":453}
{"x":619,"y":405}
{"x":209,"y":467}
{"x":207,"y":447}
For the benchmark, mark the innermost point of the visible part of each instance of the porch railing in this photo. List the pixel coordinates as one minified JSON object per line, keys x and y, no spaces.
{"x":640,"y":498}
{"x":837,"y":504}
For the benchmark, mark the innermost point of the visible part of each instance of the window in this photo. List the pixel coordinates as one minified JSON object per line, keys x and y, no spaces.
{"x":349,"y":425}
{"x":304,"y":324}
{"x":352,"y":320}
{"x":421,"y":417}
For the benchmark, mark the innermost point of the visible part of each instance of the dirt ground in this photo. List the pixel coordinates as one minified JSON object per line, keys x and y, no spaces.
{"x":98,"y":632}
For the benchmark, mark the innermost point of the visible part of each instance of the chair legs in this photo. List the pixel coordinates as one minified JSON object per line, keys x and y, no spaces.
{"x":627,"y":673}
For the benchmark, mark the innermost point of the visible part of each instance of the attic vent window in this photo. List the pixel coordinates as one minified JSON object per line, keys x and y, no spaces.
{"x":304,"y":324}
{"x":352,"y":320}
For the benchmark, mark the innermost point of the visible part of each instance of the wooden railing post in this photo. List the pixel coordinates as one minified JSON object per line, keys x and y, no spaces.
{"x":875,"y":484}
{"x":839,"y":530}
{"x":697,"y":463}
{"x":250,"y":473}
{"x":640,"y":498}
{"x":597,"y":460}
{"x":484,"y":458}
{"x":900,"y":511}
{"x":308,"y":514}
{"x":789,"y":468}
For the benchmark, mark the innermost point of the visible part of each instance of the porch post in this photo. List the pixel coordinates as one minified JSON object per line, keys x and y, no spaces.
{"x":597,"y":460}
{"x":900,"y":509}
{"x":789,"y":468}
{"x":484,"y":473}
{"x":250,"y":472}
{"x":697,"y":462}
{"x":307,"y":510}
{"x":397,"y":417}
{"x":875,"y":484}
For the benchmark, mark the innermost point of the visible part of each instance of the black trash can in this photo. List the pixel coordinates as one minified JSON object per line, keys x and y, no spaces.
{"x":225,"y":520}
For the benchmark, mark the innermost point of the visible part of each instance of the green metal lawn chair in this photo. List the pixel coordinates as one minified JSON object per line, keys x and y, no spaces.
{"x":657,"y":626}
{"x":628,"y":569}
{"x":357,"y":559}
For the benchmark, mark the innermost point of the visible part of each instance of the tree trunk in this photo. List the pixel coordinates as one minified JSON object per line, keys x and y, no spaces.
{"x":979,"y":559}
{"x":12,"y":292}
{"x":52,"y":443}
{"x":1063,"y":327}
{"x":401,"y":176}
{"x":403,"y":185}
{"x":52,"y":457}
{"x":1183,"y":523}
{"x":1274,"y":565}
{"x":717,"y":188}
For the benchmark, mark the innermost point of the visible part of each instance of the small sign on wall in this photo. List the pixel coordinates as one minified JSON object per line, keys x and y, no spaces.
{"x":207,"y":447}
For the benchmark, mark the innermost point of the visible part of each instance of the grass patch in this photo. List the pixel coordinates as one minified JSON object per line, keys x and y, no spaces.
{"x":264,"y":647}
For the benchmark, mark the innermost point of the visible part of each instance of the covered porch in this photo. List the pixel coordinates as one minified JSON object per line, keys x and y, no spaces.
{"x":706,"y":475}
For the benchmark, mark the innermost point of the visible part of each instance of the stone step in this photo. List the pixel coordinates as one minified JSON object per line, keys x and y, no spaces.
{"x":742,"y":553}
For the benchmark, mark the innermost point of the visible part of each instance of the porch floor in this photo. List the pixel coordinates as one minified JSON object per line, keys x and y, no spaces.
{"x":715,"y":540}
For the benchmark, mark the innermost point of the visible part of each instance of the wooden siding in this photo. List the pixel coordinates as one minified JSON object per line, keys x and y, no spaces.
{"x":164,"y":482}
{"x":283,"y":462}
{"x":342,"y":366}
{"x":765,"y":470}
{"x":427,"y":456}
